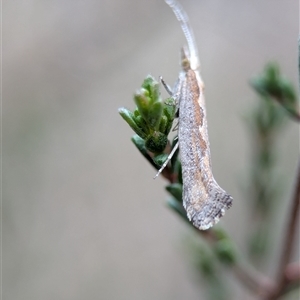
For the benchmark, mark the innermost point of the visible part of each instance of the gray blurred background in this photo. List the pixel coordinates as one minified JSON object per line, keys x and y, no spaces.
{"x":82,"y":216}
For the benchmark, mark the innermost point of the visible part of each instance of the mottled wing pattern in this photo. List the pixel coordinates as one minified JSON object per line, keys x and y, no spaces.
{"x":204,"y":200}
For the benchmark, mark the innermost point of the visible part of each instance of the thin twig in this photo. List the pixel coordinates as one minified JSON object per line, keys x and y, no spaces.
{"x":292,"y":273}
{"x":253,"y":280}
{"x":288,"y":243}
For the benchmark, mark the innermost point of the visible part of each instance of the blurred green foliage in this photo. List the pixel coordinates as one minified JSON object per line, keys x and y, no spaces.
{"x":265,"y":186}
{"x":152,"y":119}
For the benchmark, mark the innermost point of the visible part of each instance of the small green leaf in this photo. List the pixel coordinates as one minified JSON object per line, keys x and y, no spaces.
{"x":140,"y":144}
{"x":175,"y":189}
{"x":163,"y":125}
{"x":136,"y":112}
{"x":128,"y":116}
{"x":154,"y":115}
{"x":142,"y":102}
{"x":259,"y":85}
{"x":272,"y":84}
{"x":141,"y":123}
{"x":152,"y":86}
{"x":179,"y":209}
{"x":219,"y":232}
{"x":288,"y":91}
{"x":159,"y":159}
{"x":206,"y":263}
{"x":225,"y":251}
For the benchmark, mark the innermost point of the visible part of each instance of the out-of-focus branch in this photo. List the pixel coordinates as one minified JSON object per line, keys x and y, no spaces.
{"x":272,"y":84}
{"x":256,"y":282}
{"x":292,"y":272}
{"x":284,"y":270}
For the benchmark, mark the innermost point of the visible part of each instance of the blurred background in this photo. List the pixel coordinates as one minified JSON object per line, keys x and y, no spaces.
{"x":82,"y":216}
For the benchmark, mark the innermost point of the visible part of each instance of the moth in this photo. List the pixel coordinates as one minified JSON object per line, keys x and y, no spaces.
{"x":203,"y":199}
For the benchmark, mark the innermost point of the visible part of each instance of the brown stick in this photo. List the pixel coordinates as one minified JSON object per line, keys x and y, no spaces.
{"x":288,"y":242}
{"x":259,"y":284}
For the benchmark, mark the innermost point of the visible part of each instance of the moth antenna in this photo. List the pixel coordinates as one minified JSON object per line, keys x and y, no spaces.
{"x":166,"y":86}
{"x":167,"y":160}
{"x":188,"y":32}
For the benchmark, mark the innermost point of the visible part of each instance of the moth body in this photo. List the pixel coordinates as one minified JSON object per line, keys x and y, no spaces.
{"x":204,"y":200}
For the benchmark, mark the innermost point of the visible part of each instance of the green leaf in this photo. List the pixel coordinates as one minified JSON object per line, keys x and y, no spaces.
{"x":219,"y":232}
{"x":128,"y":116}
{"x":272,"y":84}
{"x":206,"y":263}
{"x":225,"y":252}
{"x":163,"y":125}
{"x":140,"y":144}
{"x":142,"y":100}
{"x":179,"y":209}
{"x":159,"y":159}
{"x":141,"y":123}
{"x":154,"y":115}
{"x":175,"y":189}
{"x":136,"y":112}
{"x":152,"y":86}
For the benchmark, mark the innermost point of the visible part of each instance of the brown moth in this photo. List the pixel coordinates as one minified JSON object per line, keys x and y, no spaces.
{"x":204,"y":200}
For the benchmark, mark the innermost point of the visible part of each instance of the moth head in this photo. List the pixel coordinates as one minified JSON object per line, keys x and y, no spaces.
{"x":185,"y":61}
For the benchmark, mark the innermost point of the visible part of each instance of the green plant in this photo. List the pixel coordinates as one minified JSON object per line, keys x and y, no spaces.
{"x":152,"y":121}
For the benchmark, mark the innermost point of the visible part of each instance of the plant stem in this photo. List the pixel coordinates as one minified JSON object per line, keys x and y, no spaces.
{"x":253,"y":280}
{"x":288,"y":242}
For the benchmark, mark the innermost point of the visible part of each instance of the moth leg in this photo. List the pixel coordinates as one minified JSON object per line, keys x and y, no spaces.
{"x":167,"y":160}
{"x":175,"y":127}
{"x":166,"y":86}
